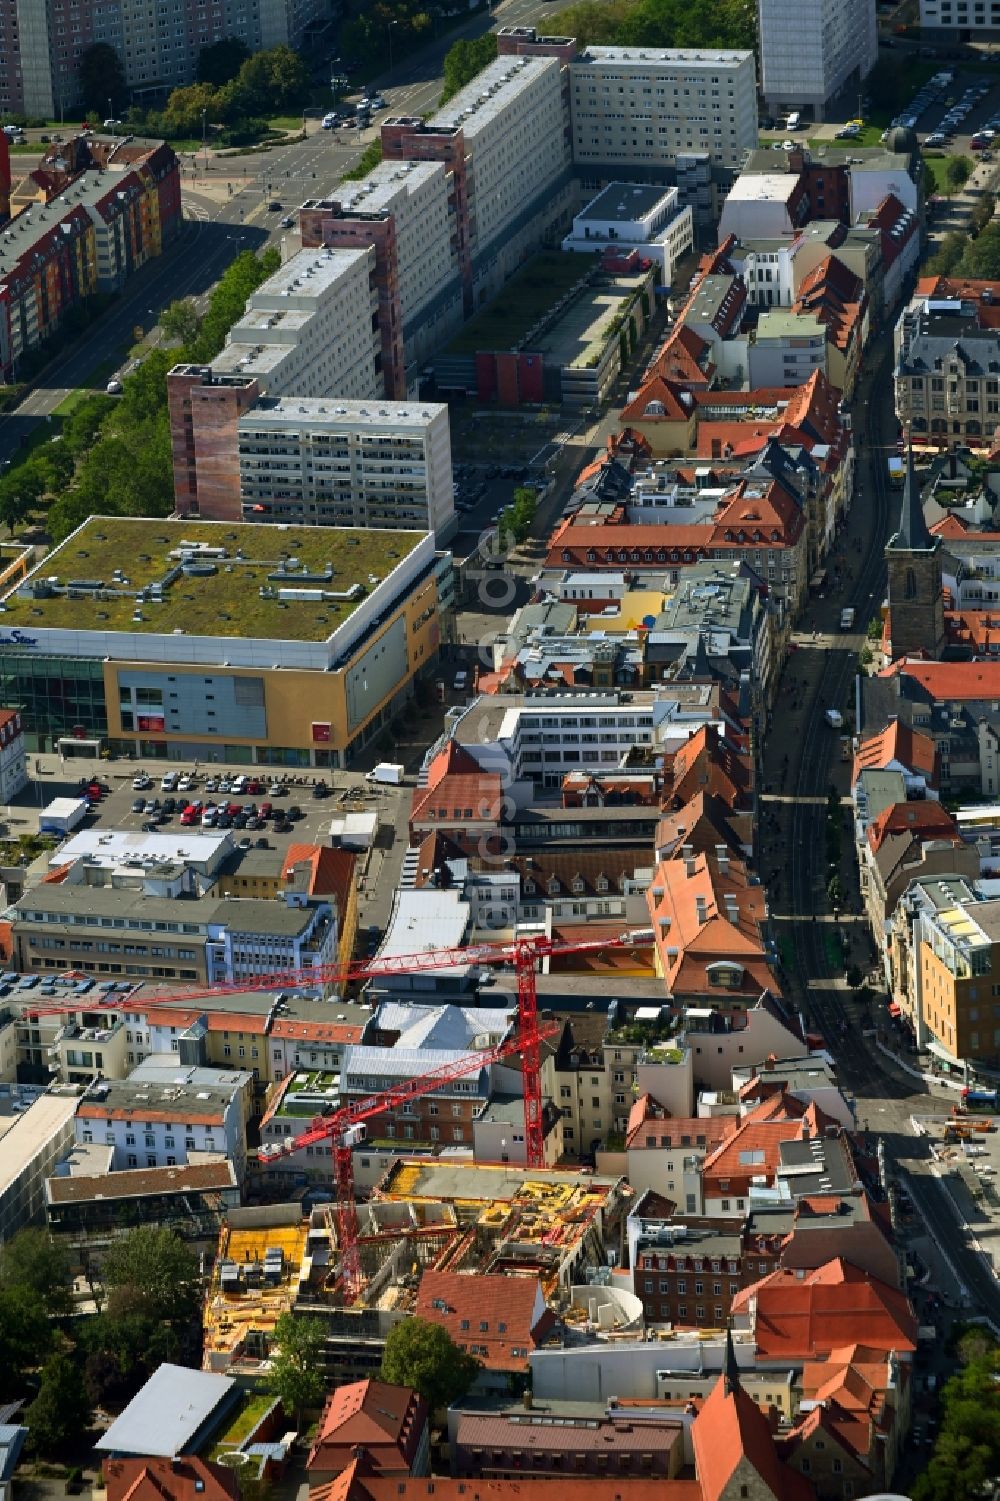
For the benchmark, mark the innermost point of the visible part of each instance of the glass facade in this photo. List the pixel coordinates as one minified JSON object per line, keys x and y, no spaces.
{"x":56,"y":696}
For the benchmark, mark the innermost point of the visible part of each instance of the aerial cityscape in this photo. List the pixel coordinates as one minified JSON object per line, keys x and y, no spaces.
{"x":499,"y":750}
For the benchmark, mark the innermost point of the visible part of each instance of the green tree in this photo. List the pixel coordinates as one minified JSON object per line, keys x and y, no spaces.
{"x":981,"y":257}
{"x":269,"y":82}
{"x":25,"y":1337}
{"x":464,"y":59}
{"x":296,"y":1375}
{"x":182,"y":117}
{"x":957,"y":173}
{"x":36,"y":1263}
{"x":835,"y":890}
{"x":181,"y":321}
{"x":424,"y":1355}
{"x":967,"y":1452}
{"x":102,"y":77}
{"x":156,"y":1264}
{"x":854,"y":976}
{"x":949,"y":253}
{"x":367,"y":162}
{"x":60,"y":1413}
{"x":221,"y":61}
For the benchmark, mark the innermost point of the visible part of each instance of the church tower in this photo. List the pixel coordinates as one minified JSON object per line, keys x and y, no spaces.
{"x":913,"y":559}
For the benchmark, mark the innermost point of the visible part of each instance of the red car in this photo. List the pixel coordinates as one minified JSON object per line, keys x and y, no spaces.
{"x":233,"y":808}
{"x":254,"y":788}
{"x":265,"y":810}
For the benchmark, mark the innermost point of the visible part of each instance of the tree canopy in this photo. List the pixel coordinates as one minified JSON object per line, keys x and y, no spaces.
{"x":465,"y":59}
{"x":102,"y":78}
{"x":967,"y":1452}
{"x":296,"y":1375}
{"x":658,"y":23}
{"x":423,"y":1355}
{"x":36,"y":1263}
{"x":156,"y":1265}
{"x":221,"y":61}
{"x":61,"y":1412}
{"x":114,"y":455}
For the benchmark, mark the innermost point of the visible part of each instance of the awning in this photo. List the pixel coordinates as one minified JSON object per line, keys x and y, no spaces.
{"x":933,"y":1046}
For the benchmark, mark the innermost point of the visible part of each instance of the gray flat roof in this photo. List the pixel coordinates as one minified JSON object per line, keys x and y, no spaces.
{"x":169,"y":1413}
{"x":624,"y":200}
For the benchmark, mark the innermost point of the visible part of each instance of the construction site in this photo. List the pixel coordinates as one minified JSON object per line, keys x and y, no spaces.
{"x":427,"y":1214}
{"x":261,"y":1264}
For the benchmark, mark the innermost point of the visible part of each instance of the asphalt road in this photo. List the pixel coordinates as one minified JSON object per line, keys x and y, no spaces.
{"x":801,"y":764}
{"x":225,"y":203}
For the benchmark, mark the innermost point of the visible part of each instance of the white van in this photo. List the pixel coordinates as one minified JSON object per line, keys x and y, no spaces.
{"x":794,"y":120}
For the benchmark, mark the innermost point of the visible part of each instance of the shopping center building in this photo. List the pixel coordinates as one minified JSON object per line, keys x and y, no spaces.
{"x":181,"y":640}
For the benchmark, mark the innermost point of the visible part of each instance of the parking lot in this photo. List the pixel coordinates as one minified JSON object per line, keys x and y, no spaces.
{"x":278,"y":812}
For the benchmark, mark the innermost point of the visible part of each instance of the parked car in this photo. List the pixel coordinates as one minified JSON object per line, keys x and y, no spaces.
{"x":139,"y":805}
{"x":141,"y":782}
{"x":293,"y":813}
{"x":265,"y":809}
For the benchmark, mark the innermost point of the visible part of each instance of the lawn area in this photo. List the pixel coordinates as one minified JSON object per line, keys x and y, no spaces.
{"x":95,"y":381}
{"x":869,"y":135}
{"x":535,"y":289}
{"x":936,"y":166}
{"x":252,"y":1409}
{"x":285,"y":122}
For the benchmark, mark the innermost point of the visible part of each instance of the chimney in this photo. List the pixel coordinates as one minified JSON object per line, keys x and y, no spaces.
{"x":722,"y":859}
{"x":526,"y":1399}
{"x":701,"y":909}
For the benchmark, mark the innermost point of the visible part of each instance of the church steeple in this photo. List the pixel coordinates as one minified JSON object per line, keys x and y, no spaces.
{"x":914,"y":563}
{"x":731,"y":1371}
{"x":912,"y":534}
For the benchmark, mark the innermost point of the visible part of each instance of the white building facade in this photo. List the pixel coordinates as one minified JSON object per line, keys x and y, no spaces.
{"x":309,"y":328}
{"x":348,"y":463}
{"x":632,"y":216}
{"x":810,"y":53}
{"x":638,"y":107}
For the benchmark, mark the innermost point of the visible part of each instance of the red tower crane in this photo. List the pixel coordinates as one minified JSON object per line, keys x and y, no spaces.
{"x":346,"y":1126}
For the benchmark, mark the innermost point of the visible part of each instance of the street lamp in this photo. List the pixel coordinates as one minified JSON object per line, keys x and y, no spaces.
{"x":204,"y":137}
{"x":390,"y":26}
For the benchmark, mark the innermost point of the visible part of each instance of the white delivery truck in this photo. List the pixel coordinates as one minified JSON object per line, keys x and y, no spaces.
{"x":834,"y":718}
{"x":847,"y":618}
{"x":388,"y":773}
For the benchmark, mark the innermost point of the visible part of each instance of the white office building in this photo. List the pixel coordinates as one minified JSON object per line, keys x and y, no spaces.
{"x":809,"y":53}
{"x":971,"y":18}
{"x":329,"y":462}
{"x":629,"y":216}
{"x":309,"y":328}
{"x":637,"y":108}
{"x":166,"y":1112}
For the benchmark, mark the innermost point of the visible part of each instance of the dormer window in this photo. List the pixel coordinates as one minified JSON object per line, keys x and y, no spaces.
{"x":577,"y":886}
{"x":602,"y":883}
{"x":553,"y":886}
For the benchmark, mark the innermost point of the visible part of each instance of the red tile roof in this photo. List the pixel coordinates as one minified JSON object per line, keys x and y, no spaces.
{"x":452,"y":758}
{"x":925,"y":817}
{"x":388,"y":1422}
{"x":950,"y":682}
{"x":649,"y":1125}
{"x":797,"y":1316}
{"x":696,"y":928}
{"x":499,"y":1319}
{"x":331,"y":871}
{"x":459,"y":797}
{"x":356,"y":1485}
{"x":731,"y":1436}
{"x":184,"y":1479}
{"x":754,"y":1150}
{"x":898,"y":742}
{"x":832,"y":293}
